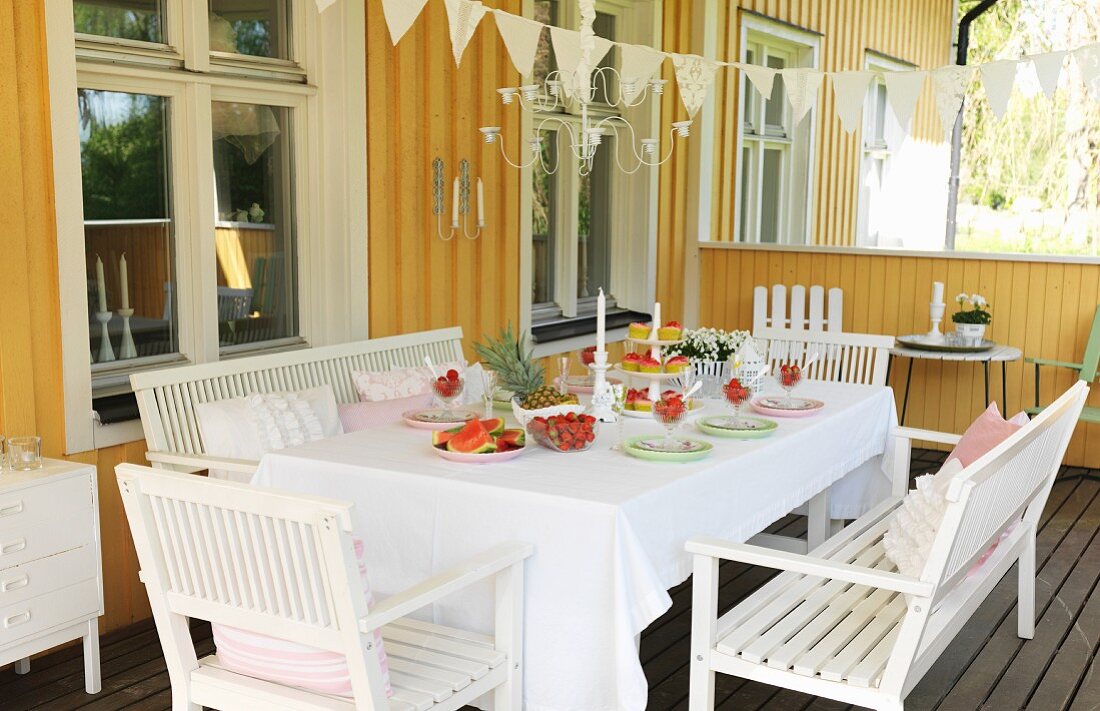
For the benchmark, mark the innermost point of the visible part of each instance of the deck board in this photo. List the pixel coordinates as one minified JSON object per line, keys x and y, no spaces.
{"x":986,"y":666}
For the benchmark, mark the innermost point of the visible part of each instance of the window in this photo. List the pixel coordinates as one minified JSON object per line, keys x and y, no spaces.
{"x":775,"y":156}
{"x":881,"y":140}
{"x":196,"y":133}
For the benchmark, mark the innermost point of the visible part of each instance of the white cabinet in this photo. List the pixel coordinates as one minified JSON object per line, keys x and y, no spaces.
{"x":51,"y":581}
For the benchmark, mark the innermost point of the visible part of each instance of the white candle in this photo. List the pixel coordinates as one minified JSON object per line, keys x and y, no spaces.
{"x":480,"y":203}
{"x":601,"y":305}
{"x":124,"y":281}
{"x":937,"y":292}
{"x":656,"y":319}
{"x":454,"y":204}
{"x":101,"y":284}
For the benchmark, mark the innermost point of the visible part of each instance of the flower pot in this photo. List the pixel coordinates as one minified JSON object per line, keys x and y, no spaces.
{"x":970,"y":334}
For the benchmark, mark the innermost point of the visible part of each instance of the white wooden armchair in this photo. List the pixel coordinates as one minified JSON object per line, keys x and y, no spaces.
{"x":841,"y":623}
{"x":838,"y":357}
{"x":283,"y":565}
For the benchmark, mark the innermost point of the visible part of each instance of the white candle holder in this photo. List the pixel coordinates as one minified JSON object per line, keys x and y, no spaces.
{"x":127,"y":349}
{"x":936,"y":312}
{"x":603,"y":397}
{"x":106,"y":352}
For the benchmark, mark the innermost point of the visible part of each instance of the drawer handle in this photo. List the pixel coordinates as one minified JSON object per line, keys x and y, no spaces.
{"x":15,"y":583}
{"x":13,"y":547}
{"x":11,"y":509}
{"x":17,"y":619}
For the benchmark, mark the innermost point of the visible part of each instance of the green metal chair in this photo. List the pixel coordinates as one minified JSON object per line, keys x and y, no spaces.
{"x":1086,"y":370}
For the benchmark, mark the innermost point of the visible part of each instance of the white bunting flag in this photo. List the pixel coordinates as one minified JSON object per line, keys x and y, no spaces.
{"x":463,"y":16}
{"x":902,"y":91}
{"x":521,"y":37}
{"x":998,"y":79}
{"x":803,"y":86}
{"x":400,"y":14}
{"x":850,"y":89}
{"x":1048,"y":69}
{"x":1088,"y":61}
{"x":638,"y":63}
{"x":762,"y":78}
{"x":323,"y":5}
{"x":567,"y":50}
{"x":950,"y":83}
{"x":694,"y":76}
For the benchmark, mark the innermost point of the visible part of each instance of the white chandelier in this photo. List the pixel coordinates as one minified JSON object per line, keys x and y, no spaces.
{"x":574,"y":91}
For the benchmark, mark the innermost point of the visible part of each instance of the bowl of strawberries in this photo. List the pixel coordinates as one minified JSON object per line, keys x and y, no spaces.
{"x":571,"y":432}
{"x":448,"y":387}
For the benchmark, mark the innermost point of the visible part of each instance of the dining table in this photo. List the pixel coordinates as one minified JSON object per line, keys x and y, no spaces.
{"x":608,"y":529}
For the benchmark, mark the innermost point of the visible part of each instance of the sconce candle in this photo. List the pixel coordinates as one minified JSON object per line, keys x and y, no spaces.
{"x":480,"y":204}
{"x":454,"y":204}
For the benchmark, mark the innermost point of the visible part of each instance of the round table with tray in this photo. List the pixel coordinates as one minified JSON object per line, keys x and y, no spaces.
{"x":922,"y":347}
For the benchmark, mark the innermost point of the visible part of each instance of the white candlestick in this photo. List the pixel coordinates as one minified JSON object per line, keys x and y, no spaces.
{"x":656,"y":319}
{"x":454,"y":204}
{"x":601,"y":306}
{"x":101,"y":283}
{"x":125,"y":282}
{"x":480,"y":203}
{"x":937,"y":292}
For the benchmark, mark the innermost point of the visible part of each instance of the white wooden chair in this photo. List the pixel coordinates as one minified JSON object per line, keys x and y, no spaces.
{"x":283,"y":565}
{"x":840,"y":357}
{"x":841,"y":623}
{"x":817,"y":317}
{"x":166,"y":398}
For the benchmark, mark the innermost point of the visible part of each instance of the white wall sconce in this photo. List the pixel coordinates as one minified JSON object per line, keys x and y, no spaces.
{"x":460,"y":198}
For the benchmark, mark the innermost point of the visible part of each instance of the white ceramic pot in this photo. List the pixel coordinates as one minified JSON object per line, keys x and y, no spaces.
{"x":970,"y":334}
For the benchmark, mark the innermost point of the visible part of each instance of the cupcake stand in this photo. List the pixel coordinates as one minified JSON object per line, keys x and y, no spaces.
{"x":655,"y":345}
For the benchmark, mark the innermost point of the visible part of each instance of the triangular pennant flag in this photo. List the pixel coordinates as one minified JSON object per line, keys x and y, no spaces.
{"x":1048,"y":69}
{"x":400,"y":14}
{"x":850,"y":89}
{"x":638,"y":63}
{"x":463,"y":17}
{"x":998,"y":79}
{"x":694,"y":76}
{"x":803,"y":85}
{"x":521,"y":37}
{"x":323,"y":5}
{"x":567,"y":51}
{"x":1088,"y":61}
{"x":902,"y":91}
{"x":761,"y":77}
{"x":950,"y":83}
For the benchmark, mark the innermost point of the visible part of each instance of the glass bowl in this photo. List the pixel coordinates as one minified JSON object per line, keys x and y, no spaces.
{"x":565,"y":433}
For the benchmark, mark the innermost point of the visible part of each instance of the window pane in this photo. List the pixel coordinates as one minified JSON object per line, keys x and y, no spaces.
{"x":880,"y":114}
{"x":773,"y":112}
{"x":605,"y":86}
{"x":124,"y":159}
{"x":749,"y":95}
{"x":257,"y":264}
{"x":748,"y":178}
{"x":257,"y":28}
{"x":122,"y":19}
{"x":594,"y":225}
{"x":544,"y":206}
{"x":546,"y":12}
{"x":770,"y":195}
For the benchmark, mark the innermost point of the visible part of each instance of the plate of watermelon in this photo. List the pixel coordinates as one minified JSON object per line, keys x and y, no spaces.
{"x":438,"y":418}
{"x":480,"y":442}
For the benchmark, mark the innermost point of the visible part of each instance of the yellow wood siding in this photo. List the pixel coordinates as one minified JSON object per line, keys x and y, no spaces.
{"x":1043,"y":308}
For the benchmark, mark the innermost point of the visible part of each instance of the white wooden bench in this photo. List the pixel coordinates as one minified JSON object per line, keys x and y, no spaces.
{"x":283,"y":565}
{"x":166,"y":398}
{"x":841,"y":623}
{"x":814,"y":315}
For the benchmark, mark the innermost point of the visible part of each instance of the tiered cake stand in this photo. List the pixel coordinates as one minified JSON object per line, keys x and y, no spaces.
{"x":654,"y":379}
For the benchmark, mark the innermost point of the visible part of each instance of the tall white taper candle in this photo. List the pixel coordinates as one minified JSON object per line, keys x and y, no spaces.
{"x":480,"y":203}
{"x":937,"y":292}
{"x":601,"y":336}
{"x":101,"y":284}
{"x":124,"y":282}
{"x":454,"y":204}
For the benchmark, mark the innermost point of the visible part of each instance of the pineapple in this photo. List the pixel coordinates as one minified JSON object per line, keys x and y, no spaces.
{"x":517,"y":371}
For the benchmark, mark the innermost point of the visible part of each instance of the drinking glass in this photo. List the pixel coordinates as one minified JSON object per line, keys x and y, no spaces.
{"x":687,"y":379}
{"x":448,"y":389}
{"x":563,"y":374}
{"x":737,"y":394}
{"x":25,"y":453}
{"x":670,"y":413}
{"x":619,"y":408}
{"x":789,"y":377}
{"x":491,"y":387}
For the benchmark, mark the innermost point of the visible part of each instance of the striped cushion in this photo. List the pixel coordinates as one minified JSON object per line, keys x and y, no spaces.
{"x":290,"y":663}
{"x":356,"y":416}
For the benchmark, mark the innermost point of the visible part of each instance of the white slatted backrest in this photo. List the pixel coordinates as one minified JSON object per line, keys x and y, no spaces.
{"x":270,"y":563}
{"x":840,"y":357}
{"x":805,"y":314}
{"x":167,"y":398}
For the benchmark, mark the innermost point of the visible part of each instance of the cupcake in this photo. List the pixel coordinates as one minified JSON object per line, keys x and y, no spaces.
{"x":631,"y":361}
{"x":639,"y":331}
{"x":676,"y":364}
{"x":649,"y":364}
{"x":632,"y":396}
{"x":643,"y":403}
{"x":671,"y":331}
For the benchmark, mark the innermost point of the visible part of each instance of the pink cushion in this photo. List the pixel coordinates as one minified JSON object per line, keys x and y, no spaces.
{"x":985,"y":433}
{"x":397,"y":383}
{"x":358,"y":416}
{"x":291,"y":663}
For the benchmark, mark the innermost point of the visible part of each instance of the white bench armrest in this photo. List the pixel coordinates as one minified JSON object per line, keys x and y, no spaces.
{"x":203,"y":461}
{"x":912,"y":433}
{"x":807,"y":565}
{"x":439,"y":586}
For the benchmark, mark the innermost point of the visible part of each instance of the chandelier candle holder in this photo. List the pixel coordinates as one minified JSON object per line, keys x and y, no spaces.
{"x":460,"y":201}
{"x":106,"y":352}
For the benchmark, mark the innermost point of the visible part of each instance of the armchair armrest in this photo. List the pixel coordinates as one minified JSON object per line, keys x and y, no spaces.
{"x":1054,"y":363}
{"x":203,"y":461}
{"x":439,"y":586}
{"x":912,"y":433}
{"x":808,"y":565}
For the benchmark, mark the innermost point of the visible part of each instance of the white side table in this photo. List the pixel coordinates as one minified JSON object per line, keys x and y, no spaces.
{"x":51,"y":580}
{"x":997,"y":354}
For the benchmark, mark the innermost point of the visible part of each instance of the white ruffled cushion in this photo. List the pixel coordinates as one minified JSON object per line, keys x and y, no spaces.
{"x":911,"y":532}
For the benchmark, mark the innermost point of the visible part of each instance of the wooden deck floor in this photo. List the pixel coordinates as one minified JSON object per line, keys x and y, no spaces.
{"x":986,"y":666}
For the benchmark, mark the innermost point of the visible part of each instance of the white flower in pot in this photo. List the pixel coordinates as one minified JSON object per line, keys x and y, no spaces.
{"x":972,"y":318}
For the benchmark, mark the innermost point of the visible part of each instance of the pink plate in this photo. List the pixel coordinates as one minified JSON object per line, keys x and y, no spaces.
{"x":437,"y":418}
{"x":772,"y":405}
{"x":491,"y":458}
{"x":577,"y":384}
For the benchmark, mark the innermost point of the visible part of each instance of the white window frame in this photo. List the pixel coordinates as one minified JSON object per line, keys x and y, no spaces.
{"x":894,"y":136}
{"x":323,"y":87}
{"x":801,"y":48}
{"x":633,"y":197}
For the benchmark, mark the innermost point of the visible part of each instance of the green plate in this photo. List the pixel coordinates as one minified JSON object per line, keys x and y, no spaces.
{"x":722,"y":426}
{"x":691,"y":449}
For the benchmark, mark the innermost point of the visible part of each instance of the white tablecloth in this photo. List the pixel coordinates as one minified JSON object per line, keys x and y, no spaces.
{"x":608,"y":530}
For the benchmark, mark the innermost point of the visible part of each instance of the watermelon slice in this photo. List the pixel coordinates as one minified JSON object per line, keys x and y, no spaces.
{"x":514,"y":439}
{"x":495,"y":426}
{"x":440,"y":439}
{"x":472,"y":439}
